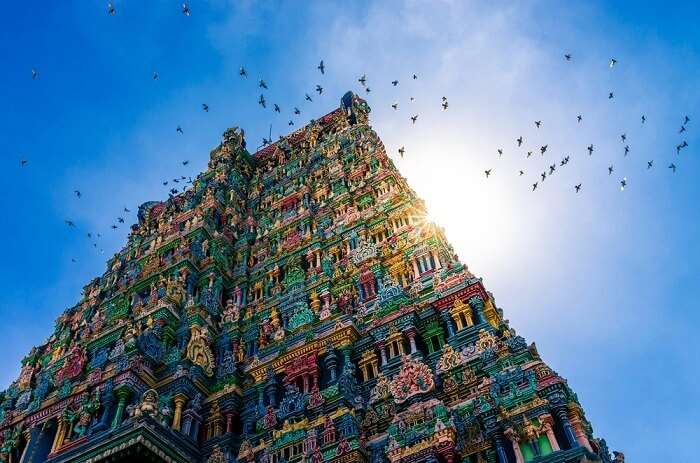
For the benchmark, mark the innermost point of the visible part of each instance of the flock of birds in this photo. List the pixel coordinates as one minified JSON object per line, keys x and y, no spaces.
{"x":180,"y":183}
{"x":590,"y":148}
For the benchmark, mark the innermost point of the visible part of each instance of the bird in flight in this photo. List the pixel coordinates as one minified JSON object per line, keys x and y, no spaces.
{"x":186,"y":9}
{"x":650,"y":163}
{"x":611,"y":96}
{"x":487,"y":172}
{"x":579,"y":118}
{"x":577,"y":187}
{"x":538,"y":123}
{"x":613,"y":62}
{"x":120,"y":219}
{"x":70,"y":223}
{"x":165,"y":183}
{"x":552,"y":168}
{"x":519,"y":140}
{"x":110,"y":9}
{"x":155,"y":75}
{"x":500,"y":152}
{"x":672,"y":167}
{"x":610,"y":170}
{"x":682,"y":129}
{"x":126,"y":210}
{"x":568,"y":57}
{"x":205,"y":107}
{"x":681,"y":146}
{"x":319,"y":89}
{"x":23,"y":162}
{"x":415,"y":77}
{"x":543,"y":175}
{"x":534,"y":186}
{"x":321,"y":67}
{"x":290,"y":123}
{"x":78,"y":193}
{"x":307,"y":97}
{"x":543,"y":149}
{"x":35,"y":73}
{"x":261,"y":100}
{"x":362,"y":80}
{"x":185,"y":162}
{"x":627,"y":149}
{"x":277,"y":108}
{"x":623,"y":137}
{"x":296,"y":110}
{"x":414,"y":118}
{"x":529,"y":153}
{"x":113,"y":227}
{"x":395,"y":106}
{"x":402,"y":150}
{"x":522,"y":173}
{"x":623,"y":184}
{"x":242,"y":72}
{"x":367,"y":89}
{"x":262,"y":84}
{"x":394,"y":83}
{"x":444,"y":105}
{"x":644,"y":118}
{"x":590,"y":149}
{"x":686,"y":120}
{"x":266,"y":141}
{"x":179,"y":130}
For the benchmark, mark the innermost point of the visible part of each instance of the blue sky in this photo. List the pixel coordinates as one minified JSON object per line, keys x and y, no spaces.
{"x":606,"y":282}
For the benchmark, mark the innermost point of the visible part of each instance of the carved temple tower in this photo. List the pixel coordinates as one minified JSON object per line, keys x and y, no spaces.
{"x":293,"y":305}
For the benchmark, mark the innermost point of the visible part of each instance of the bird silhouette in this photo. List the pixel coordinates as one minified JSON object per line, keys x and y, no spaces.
{"x":682,"y":129}
{"x":538,"y":123}
{"x":110,"y":9}
{"x":529,"y":153}
{"x":414,"y":118}
{"x":307,"y":97}
{"x":395,"y":106}
{"x":319,"y":89}
{"x":394,"y":83}
{"x":522,"y":173}
{"x":611,"y":96}
{"x":644,"y":118}
{"x":261,"y":100}
{"x":78,"y":193}
{"x":242,"y":72}
{"x":610,"y":170}
{"x":205,"y":107}
{"x":577,"y":187}
{"x":623,"y":184}
{"x":291,"y":122}
{"x":552,"y":168}
{"x":686,"y":120}
{"x":590,"y":149}
{"x":185,"y":162}
{"x":113,"y":227}
{"x":155,"y":75}
{"x":120,"y":219}
{"x":367,"y":89}
{"x":186,"y":9}
{"x":262,"y":84}
{"x":126,"y":210}
{"x":444,"y":105}
{"x":534,"y":186}
{"x":519,"y":140}
{"x":681,"y":146}
{"x":179,"y":130}
{"x":500,"y":152}
{"x":415,"y":77}
{"x":568,"y":57}
{"x":672,"y":167}
{"x":579,"y":118}
{"x":543,"y":175}
{"x":613,"y":62}
{"x":402,"y":150}
{"x":487,"y":172}
{"x":23,"y":162}
{"x":627,"y":149}
{"x":35,"y":73}
{"x":321,"y":67}
{"x":623,"y":137}
{"x":70,"y":223}
{"x":650,"y":163}
{"x":362,"y":80}
{"x":296,"y":110}
{"x":543,"y":149}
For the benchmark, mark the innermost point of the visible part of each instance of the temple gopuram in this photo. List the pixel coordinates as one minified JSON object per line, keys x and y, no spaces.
{"x":292,"y":305}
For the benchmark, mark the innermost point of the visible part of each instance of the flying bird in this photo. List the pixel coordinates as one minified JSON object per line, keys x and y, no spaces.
{"x":623,"y":184}
{"x":321,"y":67}
{"x":686,"y":120}
{"x":155,"y":75}
{"x":23,"y":162}
{"x":519,"y":140}
{"x":568,"y":57}
{"x":543,"y":149}
{"x":414,"y":118}
{"x":319,"y":89}
{"x":613,"y":62}
{"x":644,"y":118}
{"x":529,"y":153}
{"x":296,"y":110}
{"x":650,"y":163}
{"x":205,"y":107}
{"x":522,"y":173}
{"x":262,"y":84}
{"x":444,"y":105}
{"x":682,"y":129}
{"x":681,"y":146}
{"x":186,"y":9}
{"x":165,"y":183}
{"x":610,"y":170}
{"x":500,"y":152}
{"x":578,"y":187}
{"x":110,"y":9}
{"x":395,"y":106}
{"x":487,"y":172}
{"x":590,"y":149}
{"x":672,"y":167}
{"x":552,"y":168}
{"x":534,"y":186}
{"x":362,"y":80}
{"x":242,"y":72}
{"x":179,"y":130}
{"x":579,"y":118}
{"x":543,"y":175}
{"x":611,"y":96}
{"x":113,"y":227}
{"x":623,"y":137}
{"x":394,"y":83}
{"x":291,"y":122}
{"x":125,"y":210}
{"x":185,"y":162}
{"x":307,"y":97}
{"x":627,"y":149}
{"x":415,"y":77}
{"x":402,"y":150}
{"x":35,"y":73}
{"x":78,"y":193}
{"x":120,"y":219}
{"x":538,"y":123}
{"x":367,"y":89}
{"x":277,"y":108}
{"x":261,"y":100}
{"x":70,"y":223}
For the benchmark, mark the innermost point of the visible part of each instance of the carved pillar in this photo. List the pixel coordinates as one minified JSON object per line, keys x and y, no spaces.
{"x":107,"y":406}
{"x":500,"y":451}
{"x":411,"y":333}
{"x":382,"y":351}
{"x":416,"y":272}
{"x":515,"y":442}
{"x":229,"y":422}
{"x":436,"y":258}
{"x":31,"y":437}
{"x":563,"y":417}
{"x":448,"y":322}
{"x":180,"y":400}
{"x":577,"y":424}
{"x":477,"y":305}
{"x":547,"y":422}
{"x":123,"y":393}
{"x":60,"y":435}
